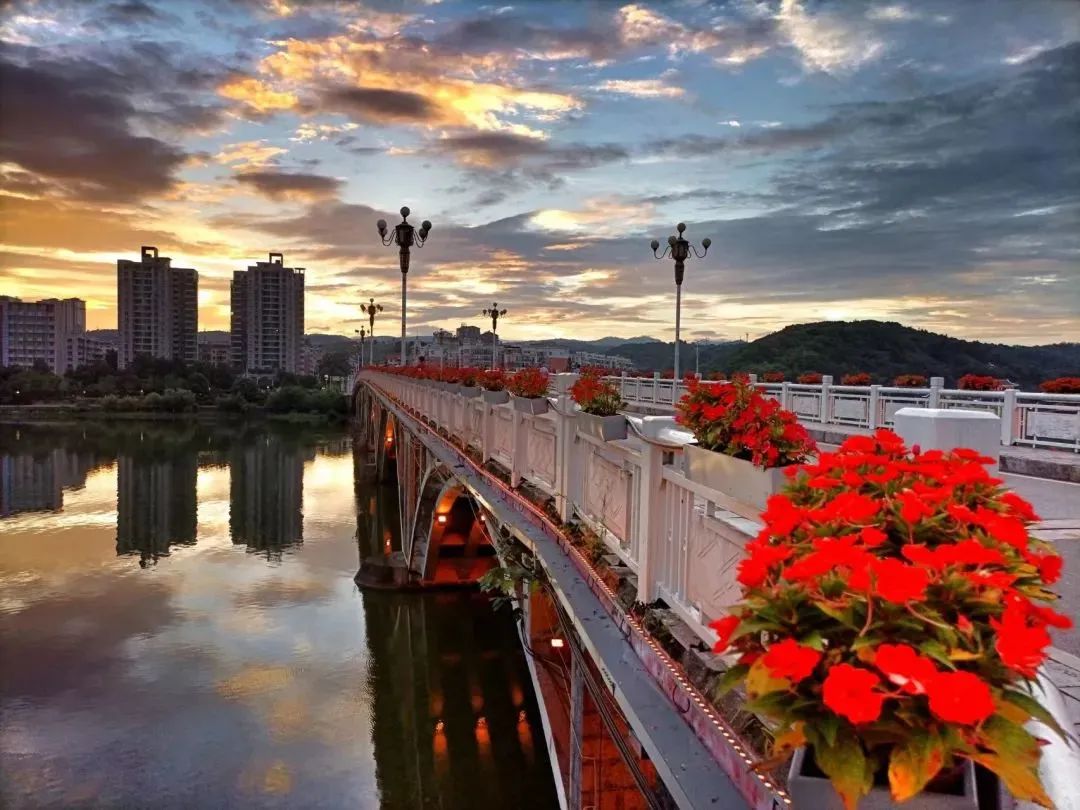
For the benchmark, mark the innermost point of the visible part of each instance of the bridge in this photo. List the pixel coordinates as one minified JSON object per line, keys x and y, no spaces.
{"x":622,"y":562}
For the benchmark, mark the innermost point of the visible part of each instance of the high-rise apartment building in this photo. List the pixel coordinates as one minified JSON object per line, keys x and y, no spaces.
{"x":267,"y":330}
{"x":158,"y":308}
{"x":40,"y":331}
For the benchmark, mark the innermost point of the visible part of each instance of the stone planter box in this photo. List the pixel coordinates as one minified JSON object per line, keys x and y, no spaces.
{"x":811,"y":789}
{"x":469,"y":391}
{"x":605,"y":428}
{"x":742,"y":481}
{"x":533,"y":405}
{"x":495,"y":397}
{"x":452,"y":388}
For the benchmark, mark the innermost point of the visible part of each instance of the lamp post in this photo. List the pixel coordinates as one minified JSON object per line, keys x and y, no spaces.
{"x":494,"y":313}
{"x":679,"y":249}
{"x":360,"y":332}
{"x":404,"y":236}
{"x":370,"y":309}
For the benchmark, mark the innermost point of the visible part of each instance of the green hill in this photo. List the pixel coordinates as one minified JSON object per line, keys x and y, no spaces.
{"x":886,"y":349}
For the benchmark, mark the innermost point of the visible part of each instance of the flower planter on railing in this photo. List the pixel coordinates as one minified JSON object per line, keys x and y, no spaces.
{"x":604,"y":428}
{"x":495,"y":397}
{"x":810,"y":788}
{"x":742,"y":481}
{"x":533,"y":405}
{"x":469,"y":391}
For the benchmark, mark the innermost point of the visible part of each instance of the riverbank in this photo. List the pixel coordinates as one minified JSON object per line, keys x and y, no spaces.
{"x":64,"y":413}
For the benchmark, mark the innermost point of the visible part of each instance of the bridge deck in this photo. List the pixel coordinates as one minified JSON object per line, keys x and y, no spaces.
{"x":689,"y":771}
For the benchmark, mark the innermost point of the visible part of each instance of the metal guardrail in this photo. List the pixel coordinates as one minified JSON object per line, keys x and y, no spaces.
{"x":1050,"y":421}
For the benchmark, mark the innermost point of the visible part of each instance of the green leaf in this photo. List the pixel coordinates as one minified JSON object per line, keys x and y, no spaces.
{"x":730,"y":679}
{"x":937,"y":651}
{"x":759,"y":681}
{"x":1014,"y":756}
{"x":1036,"y":710}
{"x":775,"y":705}
{"x":846,"y":616}
{"x":914,"y":763}
{"x":847,"y":767}
{"x":814,"y":640}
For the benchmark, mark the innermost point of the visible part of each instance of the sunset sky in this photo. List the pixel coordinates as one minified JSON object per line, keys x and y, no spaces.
{"x":914,"y":161}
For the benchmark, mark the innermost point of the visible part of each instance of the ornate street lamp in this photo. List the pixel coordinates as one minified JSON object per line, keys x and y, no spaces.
{"x":679,"y":250}
{"x":404,"y":236}
{"x":361,"y":333}
{"x":494,"y":313}
{"x":370,"y":309}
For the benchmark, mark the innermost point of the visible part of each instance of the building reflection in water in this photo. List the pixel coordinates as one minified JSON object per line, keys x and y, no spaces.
{"x":34,"y":477}
{"x":266,"y":492}
{"x":155,"y":495}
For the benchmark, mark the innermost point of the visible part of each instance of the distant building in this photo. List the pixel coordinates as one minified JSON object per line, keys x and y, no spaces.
{"x":310,"y":355}
{"x":83,"y":350}
{"x":39,"y":331}
{"x":585,"y":359}
{"x":214,"y":349}
{"x":267,"y":329}
{"x":468,"y":333}
{"x":158,"y":308}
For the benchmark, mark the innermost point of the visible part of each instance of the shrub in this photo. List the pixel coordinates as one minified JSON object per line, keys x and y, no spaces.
{"x":810,"y":378}
{"x":979,"y":382}
{"x":718,"y":376}
{"x":1062,"y":385}
{"x":528,"y":382}
{"x":890,"y":617}
{"x":286,"y":399}
{"x":911,"y":381}
{"x":469,"y":377}
{"x":738,"y":420}
{"x":596,"y":395}
{"x":232,"y":403}
{"x":492,"y":379}
{"x":858,"y":378}
{"x":740,"y":376}
{"x":773,"y":377}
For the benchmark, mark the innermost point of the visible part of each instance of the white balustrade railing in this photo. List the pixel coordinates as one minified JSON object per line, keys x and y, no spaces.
{"x":1036,"y":420}
{"x":670,"y":531}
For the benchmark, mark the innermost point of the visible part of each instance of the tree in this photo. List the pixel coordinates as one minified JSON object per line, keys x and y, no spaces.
{"x":334,"y":364}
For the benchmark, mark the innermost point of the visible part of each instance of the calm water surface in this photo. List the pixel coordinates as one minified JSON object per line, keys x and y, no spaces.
{"x":179,"y":627}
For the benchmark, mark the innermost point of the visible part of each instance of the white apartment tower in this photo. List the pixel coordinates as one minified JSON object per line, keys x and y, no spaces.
{"x":267,"y":330}
{"x":158,"y":308}
{"x":40,"y":331}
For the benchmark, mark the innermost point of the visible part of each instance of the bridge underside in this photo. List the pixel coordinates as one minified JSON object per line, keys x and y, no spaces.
{"x":445,"y":540}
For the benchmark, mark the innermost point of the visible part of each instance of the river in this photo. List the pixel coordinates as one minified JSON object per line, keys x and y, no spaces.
{"x":179,"y":627}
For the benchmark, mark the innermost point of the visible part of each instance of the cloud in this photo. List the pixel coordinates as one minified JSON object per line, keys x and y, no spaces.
{"x":641,"y":88}
{"x":380,"y":106}
{"x":101,"y":157}
{"x":249,"y":153}
{"x":826,"y":41}
{"x":279,"y":185}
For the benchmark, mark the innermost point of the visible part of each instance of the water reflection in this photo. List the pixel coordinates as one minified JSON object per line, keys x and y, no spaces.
{"x":179,"y":627}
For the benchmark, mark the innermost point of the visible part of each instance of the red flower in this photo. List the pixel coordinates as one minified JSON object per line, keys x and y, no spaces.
{"x":791,"y":660}
{"x":960,"y":697}
{"x":781,"y":515}
{"x":904,"y":667}
{"x":1002,"y":527}
{"x":1021,"y":646}
{"x":850,"y":692}
{"x":872,"y":536}
{"x":1049,"y":566}
{"x":754,"y":570}
{"x":912,"y":507}
{"x":892,"y":580}
{"x":724,"y":628}
{"x":852,"y":507}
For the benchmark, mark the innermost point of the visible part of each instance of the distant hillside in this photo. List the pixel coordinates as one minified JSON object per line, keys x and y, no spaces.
{"x":886,"y":349}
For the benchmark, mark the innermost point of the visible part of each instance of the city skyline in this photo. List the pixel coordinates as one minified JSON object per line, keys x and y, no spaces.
{"x":900,"y":161}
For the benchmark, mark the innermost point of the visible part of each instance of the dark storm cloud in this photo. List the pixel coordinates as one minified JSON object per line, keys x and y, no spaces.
{"x":376,"y":105}
{"x":69,"y":122}
{"x":515,"y":31}
{"x":503,"y":149}
{"x":281,"y":184}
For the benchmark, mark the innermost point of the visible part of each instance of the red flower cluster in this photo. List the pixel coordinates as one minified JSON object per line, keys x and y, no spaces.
{"x":809,"y":378}
{"x":911,"y":381}
{"x":858,"y":378}
{"x":1061,"y":385}
{"x":528,"y":382}
{"x":492,"y":379}
{"x":596,"y":395}
{"x":773,"y":377}
{"x":737,"y":419}
{"x":898,"y":594}
{"x":979,"y":382}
